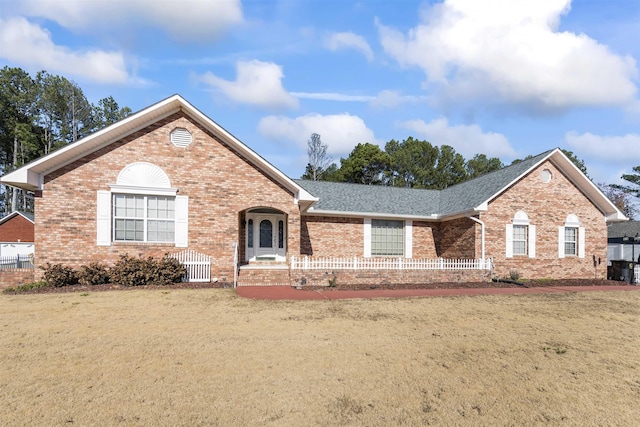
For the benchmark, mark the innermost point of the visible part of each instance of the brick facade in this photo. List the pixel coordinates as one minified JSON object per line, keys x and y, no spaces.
{"x":220,"y":185}
{"x":223,"y":186}
{"x":547,"y":205}
{"x":17,"y":229}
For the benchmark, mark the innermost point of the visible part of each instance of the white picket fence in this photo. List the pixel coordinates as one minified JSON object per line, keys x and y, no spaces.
{"x":198,"y":265}
{"x":358,"y":263}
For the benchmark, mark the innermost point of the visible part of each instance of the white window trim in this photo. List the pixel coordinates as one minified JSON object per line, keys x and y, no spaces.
{"x":520,"y":218}
{"x":408,"y":237}
{"x":135,"y":179}
{"x":144,"y":218}
{"x":573,"y":222}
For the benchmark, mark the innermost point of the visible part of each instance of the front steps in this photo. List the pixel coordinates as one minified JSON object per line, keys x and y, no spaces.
{"x":264,"y":274}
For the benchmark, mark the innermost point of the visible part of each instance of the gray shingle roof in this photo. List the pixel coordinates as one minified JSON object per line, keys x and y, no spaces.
{"x":396,"y":201}
{"x":618,"y":230}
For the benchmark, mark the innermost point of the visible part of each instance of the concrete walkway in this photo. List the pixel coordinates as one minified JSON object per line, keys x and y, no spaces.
{"x":290,"y":293}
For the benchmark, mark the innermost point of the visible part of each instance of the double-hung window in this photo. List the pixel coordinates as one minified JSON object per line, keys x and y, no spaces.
{"x":520,"y":245}
{"x":571,"y":238}
{"x":520,"y":237}
{"x":139,"y":218}
{"x":570,"y":241}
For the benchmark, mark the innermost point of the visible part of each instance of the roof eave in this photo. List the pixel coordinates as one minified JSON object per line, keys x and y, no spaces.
{"x":352,"y":214}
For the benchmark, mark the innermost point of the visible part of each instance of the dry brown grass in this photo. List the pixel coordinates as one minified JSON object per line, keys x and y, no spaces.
{"x":207,"y":357}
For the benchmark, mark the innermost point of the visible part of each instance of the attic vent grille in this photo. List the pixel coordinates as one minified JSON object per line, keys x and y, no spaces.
{"x":181,"y":137}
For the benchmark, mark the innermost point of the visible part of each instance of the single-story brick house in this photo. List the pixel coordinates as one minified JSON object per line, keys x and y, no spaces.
{"x":168,"y":179}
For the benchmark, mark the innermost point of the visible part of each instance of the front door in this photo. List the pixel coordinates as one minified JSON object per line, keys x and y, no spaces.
{"x":266,"y":238}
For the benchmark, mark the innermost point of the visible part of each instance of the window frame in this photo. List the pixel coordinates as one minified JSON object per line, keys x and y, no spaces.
{"x":145,"y":218}
{"x":385,"y":244}
{"x":525,"y":239}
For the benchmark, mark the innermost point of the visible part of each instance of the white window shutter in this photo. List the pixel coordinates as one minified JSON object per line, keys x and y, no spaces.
{"x":561,"y":242}
{"x":581,"y":239}
{"x":182,"y":221}
{"x":509,"y":241}
{"x":532,"y":241}
{"x":408,"y":239}
{"x":103,"y":215}
{"x":367,"y":237}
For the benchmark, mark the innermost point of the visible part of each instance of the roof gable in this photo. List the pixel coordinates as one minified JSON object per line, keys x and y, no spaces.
{"x":31,"y":176}
{"x":26,"y":215}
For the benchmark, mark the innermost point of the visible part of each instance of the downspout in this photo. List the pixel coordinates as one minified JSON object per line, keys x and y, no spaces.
{"x":481,"y":232}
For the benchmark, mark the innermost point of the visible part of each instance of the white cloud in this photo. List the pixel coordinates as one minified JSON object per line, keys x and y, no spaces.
{"x":392,"y":98}
{"x":512,"y":51}
{"x":614,"y":150}
{"x":185,"y":20}
{"x":31,"y":46}
{"x":467,"y":140}
{"x":332,"y":96}
{"x":257,"y":83}
{"x":341,"y":132}
{"x":349,"y":40}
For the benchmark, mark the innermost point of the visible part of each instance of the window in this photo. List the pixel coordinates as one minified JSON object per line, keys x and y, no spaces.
{"x":142,"y":207}
{"x":250,"y":233}
{"x":520,"y":237}
{"x":520,"y":233}
{"x":387,"y":238}
{"x":570,"y":241}
{"x":571,"y":238}
{"x":139,"y":218}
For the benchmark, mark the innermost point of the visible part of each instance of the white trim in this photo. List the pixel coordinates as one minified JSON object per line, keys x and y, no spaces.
{"x":408,"y":239}
{"x":182,"y":222}
{"x":532,"y":241}
{"x":581,"y":242}
{"x":561,"y":242}
{"x":103,"y":218}
{"x":509,"y":241}
{"x":146,"y":191}
{"x":367,"y":237}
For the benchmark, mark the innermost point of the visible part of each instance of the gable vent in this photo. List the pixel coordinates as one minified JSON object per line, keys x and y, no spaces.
{"x":180,"y":137}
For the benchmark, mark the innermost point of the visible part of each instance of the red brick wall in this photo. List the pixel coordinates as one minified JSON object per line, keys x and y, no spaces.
{"x":385,"y":278}
{"x":16,"y":229}
{"x":220,"y":186}
{"x":424,"y":239}
{"x":456,"y":239}
{"x":12,"y":278}
{"x":547,"y":205}
{"x":331,"y":236}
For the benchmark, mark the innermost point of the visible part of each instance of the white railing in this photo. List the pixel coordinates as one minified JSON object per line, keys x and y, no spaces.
{"x":198,"y":265}
{"x":356,"y":263}
{"x":235,"y":265}
{"x":16,"y":261}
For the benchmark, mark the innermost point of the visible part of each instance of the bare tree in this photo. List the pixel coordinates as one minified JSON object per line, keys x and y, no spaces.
{"x":319,"y":159}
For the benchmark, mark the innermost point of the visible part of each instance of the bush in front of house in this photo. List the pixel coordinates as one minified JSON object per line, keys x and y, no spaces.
{"x":130,"y":271}
{"x":58,"y":275}
{"x":93,"y":274}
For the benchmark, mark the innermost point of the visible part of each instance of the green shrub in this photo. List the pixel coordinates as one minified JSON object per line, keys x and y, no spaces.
{"x":59,"y":275}
{"x":130,"y":271}
{"x":94,"y":274}
{"x":26,"y":287}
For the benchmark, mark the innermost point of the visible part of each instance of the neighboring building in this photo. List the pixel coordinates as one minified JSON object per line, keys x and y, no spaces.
{"x":16,"y":234}
{"x":623,"y":240}
{"x":168,"y":178}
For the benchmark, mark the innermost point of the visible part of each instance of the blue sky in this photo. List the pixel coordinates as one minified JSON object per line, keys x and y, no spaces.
{"x":504,"y":78}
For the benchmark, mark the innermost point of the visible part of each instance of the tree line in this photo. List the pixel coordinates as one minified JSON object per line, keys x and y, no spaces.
{"x":40,"y":114}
